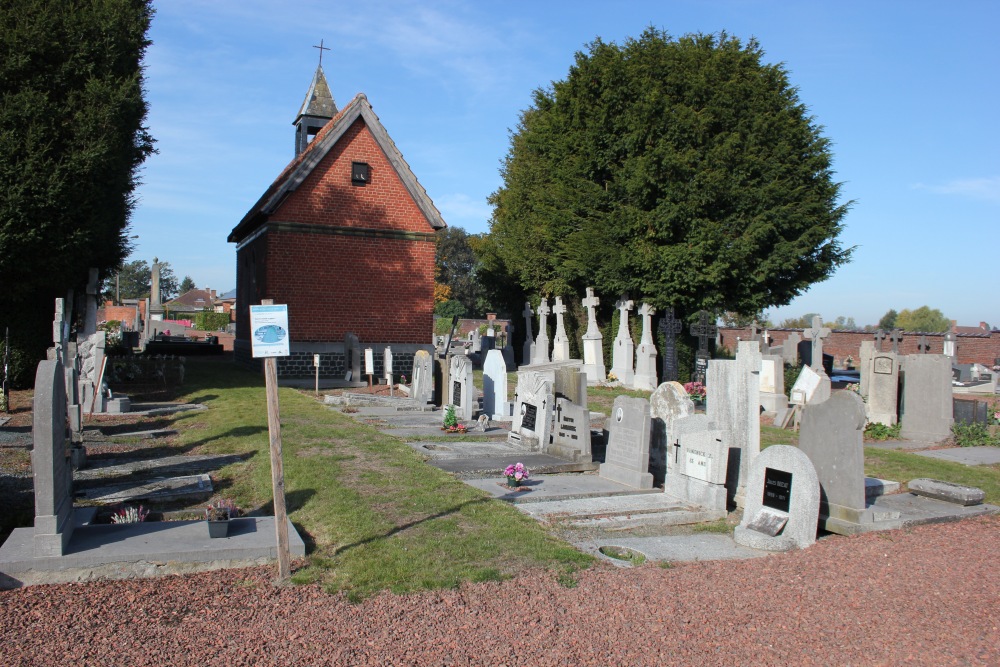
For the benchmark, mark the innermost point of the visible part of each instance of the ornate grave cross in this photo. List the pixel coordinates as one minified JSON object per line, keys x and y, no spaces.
{"x":755,"y":331}
{"x":647,"y":312}
{"x":923,"y":347}
{"x":896,"y":337}
{"x":528,"y":314}
{"x":879,"y":337}
{"x":559,"y":309}
{"x":816,"y":334}
{"x":703,"y":329}
{"x":670,"y":326}
{"x":624,"y":304}
{"x":591,"y":303}
{"x":543,"y":313}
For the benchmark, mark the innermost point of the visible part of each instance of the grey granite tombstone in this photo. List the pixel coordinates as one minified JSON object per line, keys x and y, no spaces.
{"x":733,"y":403}
{"x":352,"y":357}
{"x":571,"y":437}
{"x":570,"y":382}
{"x":540,"y":354}
{"x":495,"y":401}
{"x":928,"y":411}
{"x":668,"y":403}
{"x":422,"y":387}
{"x":52,"y":471}
{"x":533,"y":407}
{"x":783,"y":497}
{"x":832,"y":436}
{"x":697,"y":463}
{"x":883,"y":388}
{"x":790,"y":348}
{"x":560,"y":342}
{"x":461,"y":392}
{"x":645,"y":353}
{"x":593,"y":342}
{"x":627,"y":458}
{"x":508,"y":349}
{"x":810,"y":387}
{"x":528,"y":353}
{"x":622,"y":355}
{"x":865,"y":355}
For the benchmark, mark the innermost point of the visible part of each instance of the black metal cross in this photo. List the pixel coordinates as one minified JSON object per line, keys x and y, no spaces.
{"x":677,"y":451}
{"x":321,"y":50}
{"x":703,"y":329}
{"x":670,"y":326}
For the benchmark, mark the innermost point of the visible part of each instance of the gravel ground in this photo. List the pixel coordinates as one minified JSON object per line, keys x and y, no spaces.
{"x":927,"y":596}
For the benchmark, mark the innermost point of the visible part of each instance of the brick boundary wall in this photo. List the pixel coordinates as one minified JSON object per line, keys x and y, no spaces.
{"x":332,"y":361}
{"x":981,"y":348}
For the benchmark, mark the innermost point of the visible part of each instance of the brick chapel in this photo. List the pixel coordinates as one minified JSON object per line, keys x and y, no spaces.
{"x":345,"y":236}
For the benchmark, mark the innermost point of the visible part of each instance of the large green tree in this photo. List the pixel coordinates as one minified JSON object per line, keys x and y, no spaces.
{"x":72,"y":138}
{"x":684,"y":171}
{"x":456,"y":266}
{"x":923,"y":318}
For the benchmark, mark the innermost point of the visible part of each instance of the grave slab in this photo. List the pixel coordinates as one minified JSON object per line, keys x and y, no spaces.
{"x":620,"y":512}
{"x":158,"y":490}
{"x":914,"y":510}
{"x":970,"y":456}
{"x":677,"y":548}
{"x":958,"y":494}
{"x":541,"y":488}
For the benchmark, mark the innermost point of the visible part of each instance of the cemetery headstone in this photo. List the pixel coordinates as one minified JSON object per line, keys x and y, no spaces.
{"x":622,"y":357}
{"x":783,"y":497}
{"x":508,"y":348}
{"x":541,"y":353}
{"x":733,"y":404}
{"x":703,"y":329}
{"x":92,"y":386}
{"x":951,"y":345}
{"x":698,"y":463}
{"x":528,"y":353}
{"x":476,"y":340}
{"x":927,"y":398}
{"x":52,"y":471}
{"x":461,"y":390}
{"x":883,"y":388}
{"x":570,"y":383}
{"x":627,"y":458}
{"x":352,"y":357}
{"x":645,"y":354}
{"x":923,"y":345}
{"x":816,"y":334}
{"x":790,"y":349}
{"x":422,"y":389}
{"x":810,"y":387}
{"x":90,"y":305}
{"x":865,"y":355}
{"x":560,"y":343}
{"x":895,"y":337}
{"x":772,"y":384}
{"x":879,"y":339}
{"x":832,"y":436}
{"x":571,"y":437}
{"x":593,"y":342}
{"x":670,"y":326}
{"x":668,"y":403}
{"x":533,"y":406}
{"x":495,"y":401}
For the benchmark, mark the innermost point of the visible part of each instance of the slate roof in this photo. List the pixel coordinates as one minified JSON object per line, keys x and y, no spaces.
{"x":196,"y":299}
{"x":303,"y":164}
{"x":319,"y":100}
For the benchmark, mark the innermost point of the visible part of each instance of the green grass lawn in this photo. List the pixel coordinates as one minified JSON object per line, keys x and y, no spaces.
{"x":372,"y":513}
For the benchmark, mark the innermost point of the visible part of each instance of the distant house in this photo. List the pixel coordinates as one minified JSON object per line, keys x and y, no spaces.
{"x":345,"y":236}
{"x":191,"y":302}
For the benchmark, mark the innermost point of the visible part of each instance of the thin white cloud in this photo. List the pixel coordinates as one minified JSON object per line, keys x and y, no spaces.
{"x":987,"y":189}
{"x":461,"y":210}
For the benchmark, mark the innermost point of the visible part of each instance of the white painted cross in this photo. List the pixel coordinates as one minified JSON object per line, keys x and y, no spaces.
{"x":647,"y":312}
{"x":624,"y":304}
{"x":591,"y":303}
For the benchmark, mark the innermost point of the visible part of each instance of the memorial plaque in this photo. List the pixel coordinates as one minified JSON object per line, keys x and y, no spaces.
{"x":883,"y":365}
{"x":777,"y":489}
{"x":768,"y":523}
{"x":456,"y":394}
{"x":700,"y":369}
{"x":529,"y":413}
{"x":699,"y":465}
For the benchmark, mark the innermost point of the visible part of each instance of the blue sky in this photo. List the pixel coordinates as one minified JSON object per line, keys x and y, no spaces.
{"x":906,"y":91}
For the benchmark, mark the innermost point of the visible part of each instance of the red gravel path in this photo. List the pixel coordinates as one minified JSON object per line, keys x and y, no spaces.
{"x":927,"y":596}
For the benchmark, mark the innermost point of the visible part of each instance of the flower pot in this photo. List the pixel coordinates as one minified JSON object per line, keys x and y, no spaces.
{"x":218,"y":528}
{"x":513,"y":483}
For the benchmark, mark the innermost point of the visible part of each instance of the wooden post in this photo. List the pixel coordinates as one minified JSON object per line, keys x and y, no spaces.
{"x":277,"y":467}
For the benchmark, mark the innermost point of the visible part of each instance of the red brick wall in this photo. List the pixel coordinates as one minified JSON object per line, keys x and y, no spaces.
{"x":972,"y":348}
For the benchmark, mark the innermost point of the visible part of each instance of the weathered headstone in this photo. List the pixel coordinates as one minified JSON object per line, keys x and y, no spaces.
{"x":627,"y":458}
{"x":352,"y":358}
{"x":560,"y":343}
{"x":704,"y":328}
{"x":570,"y":383}
{"x":772,"y":384}
{"x":697,"y":463}
{"x":927,"y":398}
{"x":670,"y":326}
{"x":668,"y":403}
{"x":832,"y":436}
{"x":622,"y":355}
{"x":810,"y":387}
{"x":52,"y":471}
{"x":422,"y":389}
{"x":92,"y":386}
{"x":528,"y":352}
{"x":533,"y":406}
{"x":461,"y":392}
{"x":816,"y":334}
{"x":476,"y":340}
{"x":508,"y":349}
{"x":783,"y":496}
{"x":495,"y":401}
{"x":883,"y":388}
{"x":571,"y":437}
{"x":645,"y":354}
{"x":733,"y":404}
{"x":790,"y":349}
{"x":865,"y":355}
{"x":593,"y":342}
{"x":879,"y":337}
{"x":541,"y":352}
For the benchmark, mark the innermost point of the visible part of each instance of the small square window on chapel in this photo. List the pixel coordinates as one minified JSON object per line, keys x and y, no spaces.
{"x":360,"y":173}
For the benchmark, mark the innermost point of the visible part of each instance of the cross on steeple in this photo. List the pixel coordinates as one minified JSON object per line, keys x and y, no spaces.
{"x":321,"y":50}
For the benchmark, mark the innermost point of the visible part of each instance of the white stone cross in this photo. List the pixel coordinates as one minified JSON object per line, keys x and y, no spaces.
{"x":624,"y":304}
{"x":816,"y":334}
{"x":591,"y":303}
{"x":543,"y":313}
{"x":647,"y":312}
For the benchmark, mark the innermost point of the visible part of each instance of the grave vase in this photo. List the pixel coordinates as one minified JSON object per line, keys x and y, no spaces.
{"x":217,"y":526}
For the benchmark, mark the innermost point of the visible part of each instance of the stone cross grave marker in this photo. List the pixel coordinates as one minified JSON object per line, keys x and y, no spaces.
{"x":622,"y":356}
{"x":495,"y":401}
{"x":923,"y":346}
{"x":52,"y":471}
{"x":627,"y":458}
{"x":790,"y":349}
{"x":560,"y":344}
{"x":422,"y":389}
{"x":670,"y":326}
{"x":703,"y":329}
{"x":508,"y":348}
{"x":645,"y":354}
{"x":571,"y":439}
{"x":352,"y":357}
{"x":895,"y":337}
{"x":879,"y":340}
{"x":542,"y":341}
{"x":533,"y":406}
{"x":462,"y":395}
{"x":755,"y":335}
{"x":783,"y":495}
{"x":593,"y":342}
{"x":816,"y":334}
{"x":529,"y":341}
